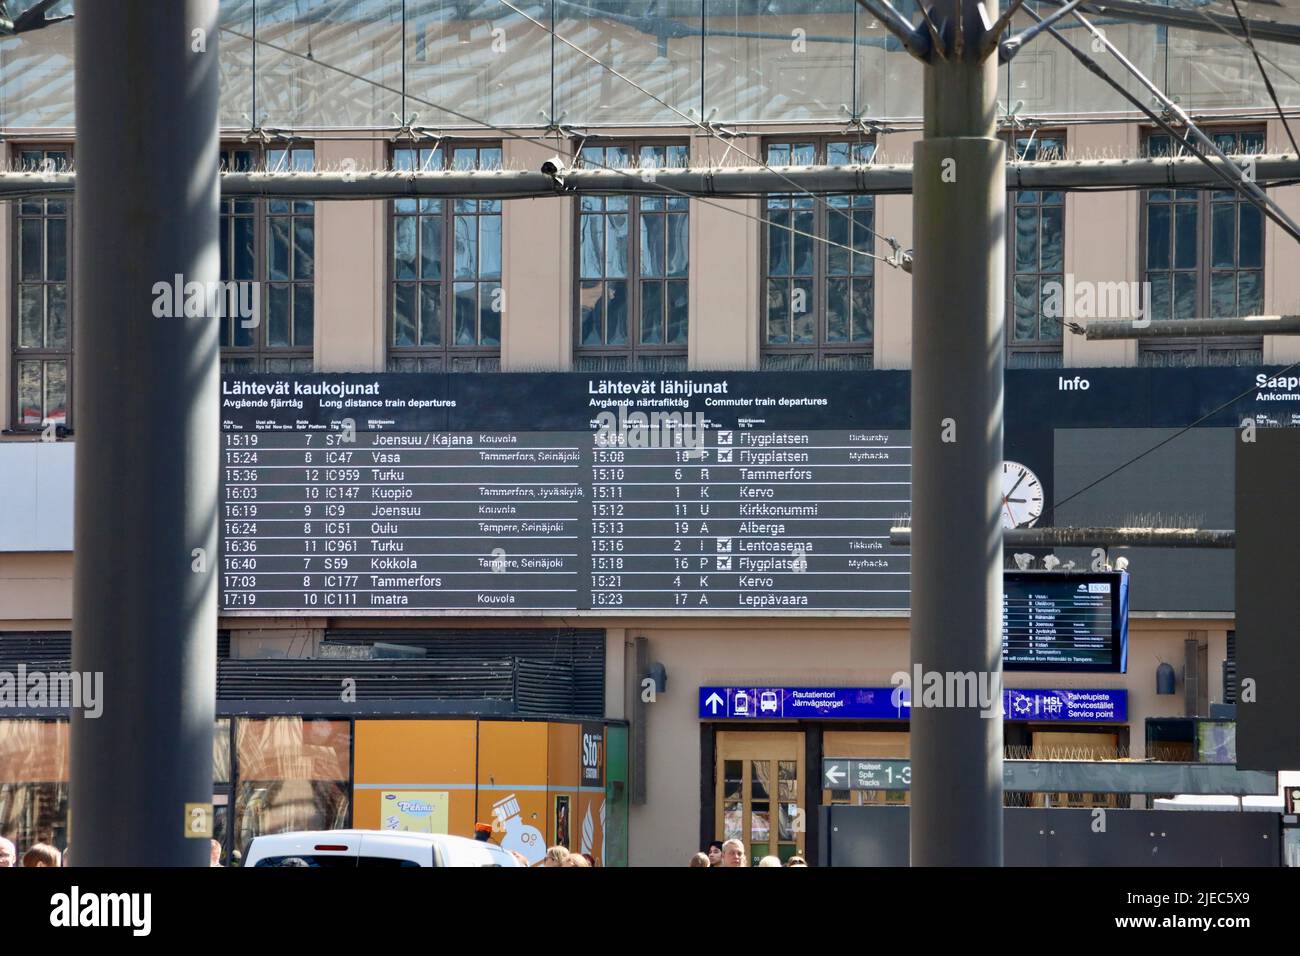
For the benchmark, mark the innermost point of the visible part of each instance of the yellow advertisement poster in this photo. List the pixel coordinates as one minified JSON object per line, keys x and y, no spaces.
{"x":417,"y":811}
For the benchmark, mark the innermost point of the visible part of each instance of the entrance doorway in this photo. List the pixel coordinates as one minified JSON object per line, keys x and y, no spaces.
{"x":759,"y":792}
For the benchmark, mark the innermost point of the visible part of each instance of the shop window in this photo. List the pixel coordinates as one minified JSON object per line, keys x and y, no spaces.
{"x":293,"y":774}
{"x":34,"y":782}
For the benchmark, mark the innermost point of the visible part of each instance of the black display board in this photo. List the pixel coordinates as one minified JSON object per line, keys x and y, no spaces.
{"x":756,"y":493}
{"x":1268,"y":600}
{"x":394,"y":493}
{"x":1062,"y":621}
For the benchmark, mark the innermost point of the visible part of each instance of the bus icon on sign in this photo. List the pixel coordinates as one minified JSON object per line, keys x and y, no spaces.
{"x":767,"y":702}
{"x":740,"y":703}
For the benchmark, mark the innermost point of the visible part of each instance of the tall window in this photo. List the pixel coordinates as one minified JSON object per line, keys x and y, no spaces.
{"x":1036,"y":265}
{"x":633,"y":264}
{"x":446,"y":297}
{"x":42,"y":342}
{"x":1204,"y":258}
{"x":271,"y":244}
{"x":819,"y":295}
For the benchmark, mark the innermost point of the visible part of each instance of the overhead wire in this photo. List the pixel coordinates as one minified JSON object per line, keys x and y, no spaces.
{"x":511,"y":134}
{"x":1268,"y":84}
{"x":707,"y":128}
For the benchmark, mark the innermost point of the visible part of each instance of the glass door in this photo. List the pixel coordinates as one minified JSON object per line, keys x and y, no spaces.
{"x":759,"y":792}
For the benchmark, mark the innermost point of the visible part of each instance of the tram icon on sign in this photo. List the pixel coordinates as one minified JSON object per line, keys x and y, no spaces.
{"x":740,"y":703}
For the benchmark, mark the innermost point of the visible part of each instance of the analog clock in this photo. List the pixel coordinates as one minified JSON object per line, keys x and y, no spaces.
{"x":1022,"y":496}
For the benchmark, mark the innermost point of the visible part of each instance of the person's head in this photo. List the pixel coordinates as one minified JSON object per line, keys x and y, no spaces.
{"x":715,"y":853}
{"x":575,"y":859}
{"x":733,"y":853}
{"x":41,"y":854}
{"x":700,"y":859}
{"x":8,"y":854}
{"x":555,"y":856}
{"x":770,"y":861}
{"x":796,"y":861}
{"x":214,"y":853}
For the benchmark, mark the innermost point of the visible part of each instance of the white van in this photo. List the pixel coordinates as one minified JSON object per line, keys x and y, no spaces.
{"x":372,"y":848}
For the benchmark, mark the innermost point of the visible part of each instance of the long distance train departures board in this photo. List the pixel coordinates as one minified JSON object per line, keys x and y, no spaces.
{"x":401,"y":493}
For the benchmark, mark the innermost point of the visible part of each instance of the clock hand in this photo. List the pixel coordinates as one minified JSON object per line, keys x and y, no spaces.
{"x":1023,"y":476}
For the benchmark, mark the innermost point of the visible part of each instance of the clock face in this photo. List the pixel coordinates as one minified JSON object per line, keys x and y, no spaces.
{"x":1022,"y":496}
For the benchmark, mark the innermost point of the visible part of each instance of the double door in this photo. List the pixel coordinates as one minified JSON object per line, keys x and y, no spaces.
{"x":759,"y":790}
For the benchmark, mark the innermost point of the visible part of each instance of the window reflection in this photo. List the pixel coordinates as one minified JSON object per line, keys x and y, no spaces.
{"x":293,"y":775}
{"x":33,"y":782}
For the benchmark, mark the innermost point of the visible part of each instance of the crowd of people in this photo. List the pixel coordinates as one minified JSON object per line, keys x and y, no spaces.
{"x":561,"y":856}
{"x":729,"y":853}
{"x":38,"y":854}
{"x":732,"y":853}
{"x":42,"y":854}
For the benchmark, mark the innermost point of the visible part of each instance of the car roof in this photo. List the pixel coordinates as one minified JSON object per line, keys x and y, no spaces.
{"x":304,"y":841}
{"x":339,"y":836}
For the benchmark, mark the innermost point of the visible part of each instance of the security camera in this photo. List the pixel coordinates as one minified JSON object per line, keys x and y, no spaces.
{"x":554,"y":168}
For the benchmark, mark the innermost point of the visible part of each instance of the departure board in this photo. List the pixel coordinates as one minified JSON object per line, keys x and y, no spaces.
{"x":705,"y":492}
{"x":1057,"y":621}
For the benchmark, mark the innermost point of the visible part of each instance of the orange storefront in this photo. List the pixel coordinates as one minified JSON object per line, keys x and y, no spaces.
{"x":537,"y":782}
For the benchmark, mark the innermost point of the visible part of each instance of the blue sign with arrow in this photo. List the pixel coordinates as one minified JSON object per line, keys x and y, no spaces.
{"x":1081,"y":705}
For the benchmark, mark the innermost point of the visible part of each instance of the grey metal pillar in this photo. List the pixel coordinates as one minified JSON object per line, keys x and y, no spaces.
{"x":146,"y":394}
{"x":959,"y":231}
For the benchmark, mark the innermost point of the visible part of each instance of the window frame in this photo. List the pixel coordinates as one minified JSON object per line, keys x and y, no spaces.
{"x":1018,"y":353}
{"x":823,"y":353}
{"x":446,"y":356}
{"x":299,"y":358}
{"x":1201,"y":350}
{"x":635,"y":355}
{"x":19,"y":354}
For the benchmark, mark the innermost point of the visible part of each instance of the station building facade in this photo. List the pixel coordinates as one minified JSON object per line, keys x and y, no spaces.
{"x":555,"y":732}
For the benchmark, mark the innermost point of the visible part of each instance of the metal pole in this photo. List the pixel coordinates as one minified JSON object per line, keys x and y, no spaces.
{"x":144,"y":590}
{"x":1190,"y":328}
{"x":959,"y":233}
{"x":1101,"y":538}
{"x":733,"y":181}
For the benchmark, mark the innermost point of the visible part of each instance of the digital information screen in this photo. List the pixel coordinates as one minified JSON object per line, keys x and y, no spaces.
{"x":392,"y":493}
{"x":1053,"y":621}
